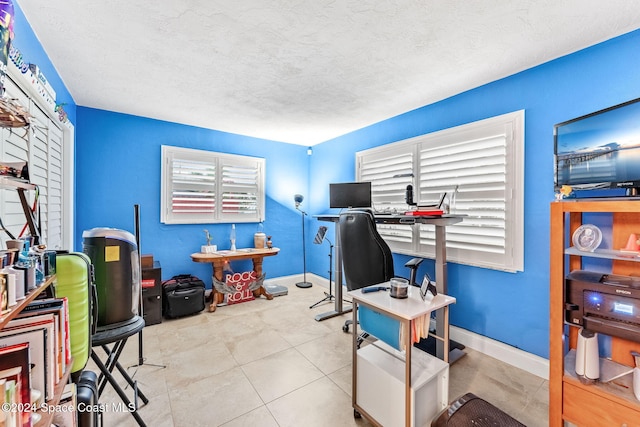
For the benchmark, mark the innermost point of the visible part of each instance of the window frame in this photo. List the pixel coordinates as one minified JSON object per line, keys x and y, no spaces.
{"x":413,"y":239}
{"x":227,"y":179}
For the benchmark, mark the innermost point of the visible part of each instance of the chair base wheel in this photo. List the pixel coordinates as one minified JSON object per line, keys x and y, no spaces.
{"x":356,"y":414}
{"x":345,"y":328}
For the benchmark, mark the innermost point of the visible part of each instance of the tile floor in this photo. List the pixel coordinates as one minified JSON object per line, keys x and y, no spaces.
{"x":270,"y":363}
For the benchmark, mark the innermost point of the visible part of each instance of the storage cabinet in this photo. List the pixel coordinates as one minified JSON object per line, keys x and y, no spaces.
{"x":599,"y":404}
{"x":381,"y":385}
{"x":152,"y":294}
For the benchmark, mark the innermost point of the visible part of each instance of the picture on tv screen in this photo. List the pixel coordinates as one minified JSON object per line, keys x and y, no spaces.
{"x":600,"y":150}
{"x":350,"y":195}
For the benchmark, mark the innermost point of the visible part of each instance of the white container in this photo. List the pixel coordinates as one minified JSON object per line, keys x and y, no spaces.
{"x":208,"y":249}
{"x":587,"y":357}
{"x":381,"y":385}
{"x":259,"y":240}
{"x":636,"y":382}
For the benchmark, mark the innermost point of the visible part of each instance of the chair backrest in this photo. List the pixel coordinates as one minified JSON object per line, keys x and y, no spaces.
{"x":366,"y":257}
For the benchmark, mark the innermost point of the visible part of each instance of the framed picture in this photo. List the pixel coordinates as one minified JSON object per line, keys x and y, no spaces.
{"x":427,"y":289}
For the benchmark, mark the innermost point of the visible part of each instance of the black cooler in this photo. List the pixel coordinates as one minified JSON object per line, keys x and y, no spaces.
{"x":114,"y":254}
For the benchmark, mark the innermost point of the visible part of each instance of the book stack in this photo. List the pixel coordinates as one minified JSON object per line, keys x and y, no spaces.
{"x":34,"y":354}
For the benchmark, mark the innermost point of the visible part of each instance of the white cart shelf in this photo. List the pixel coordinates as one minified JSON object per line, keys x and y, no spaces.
{"x":378,"y":368}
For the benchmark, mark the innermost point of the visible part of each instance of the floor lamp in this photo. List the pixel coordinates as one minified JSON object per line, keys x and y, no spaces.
{"x":304,"y":284}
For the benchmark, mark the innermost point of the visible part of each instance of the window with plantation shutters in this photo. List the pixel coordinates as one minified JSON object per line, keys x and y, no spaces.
{"x":42,"y":146}
{"x":481,"y":168}
{"x":207,"y":187}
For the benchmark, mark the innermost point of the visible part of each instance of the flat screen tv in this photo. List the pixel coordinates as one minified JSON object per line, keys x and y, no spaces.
{"x":600,"y":150}
{"x":350,"y":195}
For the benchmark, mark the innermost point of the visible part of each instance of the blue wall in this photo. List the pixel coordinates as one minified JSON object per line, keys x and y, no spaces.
{"x":508,"y":307}
{"x":119,"y":161}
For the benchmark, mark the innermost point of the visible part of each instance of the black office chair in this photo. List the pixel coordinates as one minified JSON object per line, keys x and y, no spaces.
{"x":366,"y":257}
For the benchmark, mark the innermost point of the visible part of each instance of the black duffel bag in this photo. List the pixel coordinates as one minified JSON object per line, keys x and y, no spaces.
{"x":182,"y":295}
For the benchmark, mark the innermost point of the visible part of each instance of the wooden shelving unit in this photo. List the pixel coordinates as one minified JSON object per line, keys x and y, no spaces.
{"x":16,"y":309}
{"x":11,"y":314}
{"x":569,"y":400}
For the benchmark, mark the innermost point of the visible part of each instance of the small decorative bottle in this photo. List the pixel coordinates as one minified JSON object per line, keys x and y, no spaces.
{"x":233,"y":237}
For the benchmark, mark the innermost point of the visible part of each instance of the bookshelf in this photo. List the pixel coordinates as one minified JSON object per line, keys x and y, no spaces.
{"x":570,"y":400}
{"x":10,"y":314}
{"x":16,"y":309}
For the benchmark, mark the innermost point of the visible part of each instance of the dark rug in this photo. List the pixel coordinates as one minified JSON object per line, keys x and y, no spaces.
{"x":429,"y":345}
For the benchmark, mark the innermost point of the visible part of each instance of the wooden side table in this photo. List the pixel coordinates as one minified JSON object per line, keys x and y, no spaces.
{"x":218,"y":260}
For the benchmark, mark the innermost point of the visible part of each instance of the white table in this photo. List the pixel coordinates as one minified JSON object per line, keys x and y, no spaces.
{"x":406,"y":311}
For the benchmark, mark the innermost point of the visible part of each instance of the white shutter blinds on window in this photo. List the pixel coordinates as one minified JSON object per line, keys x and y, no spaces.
{"x":41,"y":145}
{"x":240,"y":187}
{"x":193,"y":186}
{"x":206,"y":187}
{"x":474,"y":172}
{"x":54,"y":239}
{"x":389,"y":171}
{"x":480,"y":166}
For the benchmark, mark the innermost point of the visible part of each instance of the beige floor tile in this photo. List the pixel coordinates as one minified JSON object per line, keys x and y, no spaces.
{"x":280,"y":373}
{"x":343,"y":378}
{"x":260,"y":417}
{"x":253,"y":346}
{"x":330,"y":352}
{"x":319,"y":404}
{"x":214,"y":400}
{"x":187,"y":364}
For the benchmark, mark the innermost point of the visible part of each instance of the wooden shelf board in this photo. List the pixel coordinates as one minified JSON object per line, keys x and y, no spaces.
{"x":605,"y":253}
{"x":13,"y":311}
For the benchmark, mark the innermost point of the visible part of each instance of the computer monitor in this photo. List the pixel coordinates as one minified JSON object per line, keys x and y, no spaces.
{"x":350,"y":195}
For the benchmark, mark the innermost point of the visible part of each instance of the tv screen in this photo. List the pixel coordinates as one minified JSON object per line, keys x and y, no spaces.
{"x":350,"y":195}
{"x":600,"y":150}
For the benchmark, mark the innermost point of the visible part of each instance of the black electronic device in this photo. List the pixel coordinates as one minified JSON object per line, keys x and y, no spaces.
{"x":605,"y":303}
{"x":600,"y":151}
{"x":408,"y":195}
{"x":350,"y":195}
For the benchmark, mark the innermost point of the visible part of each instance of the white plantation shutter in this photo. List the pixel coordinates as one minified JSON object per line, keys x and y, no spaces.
{"x":208,"y":187}
{"x":241,"y":185}
{"x":389,"y":170}
{"x":41,"y":145}
{"x":480,"y":167}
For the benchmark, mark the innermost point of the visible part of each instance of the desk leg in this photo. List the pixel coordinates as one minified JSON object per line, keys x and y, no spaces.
{"x":408,"y":403}
{"x":339,"y":310}
{"x":441,"y":283}
{"x":257,"y":267}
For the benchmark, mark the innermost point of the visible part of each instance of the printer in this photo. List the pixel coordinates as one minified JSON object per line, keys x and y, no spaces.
{"x":605,"y":303}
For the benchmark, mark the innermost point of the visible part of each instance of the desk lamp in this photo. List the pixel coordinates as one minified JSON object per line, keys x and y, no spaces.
{"x":298,"y":198}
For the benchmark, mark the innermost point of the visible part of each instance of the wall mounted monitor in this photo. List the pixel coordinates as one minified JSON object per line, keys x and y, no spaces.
{"x":350,"y":195}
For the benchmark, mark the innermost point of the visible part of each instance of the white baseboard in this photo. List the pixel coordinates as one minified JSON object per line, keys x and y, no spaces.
{"x":531,"y":363}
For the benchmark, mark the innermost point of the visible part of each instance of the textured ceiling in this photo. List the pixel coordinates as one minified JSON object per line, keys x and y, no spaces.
{"x":304,"y":71}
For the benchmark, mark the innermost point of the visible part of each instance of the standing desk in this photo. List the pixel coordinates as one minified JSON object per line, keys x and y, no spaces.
{"x":440,"y":223}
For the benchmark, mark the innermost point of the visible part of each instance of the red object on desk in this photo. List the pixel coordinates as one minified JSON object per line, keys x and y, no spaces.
{"x":434,"y":212}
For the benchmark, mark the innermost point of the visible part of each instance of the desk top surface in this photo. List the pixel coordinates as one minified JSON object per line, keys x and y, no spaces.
{"x":238,"y":254}
{"x":408,"y":308}
{"x":403,"y":219}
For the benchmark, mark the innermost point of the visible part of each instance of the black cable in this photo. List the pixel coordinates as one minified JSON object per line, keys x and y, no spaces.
{"x":11,"y":236}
